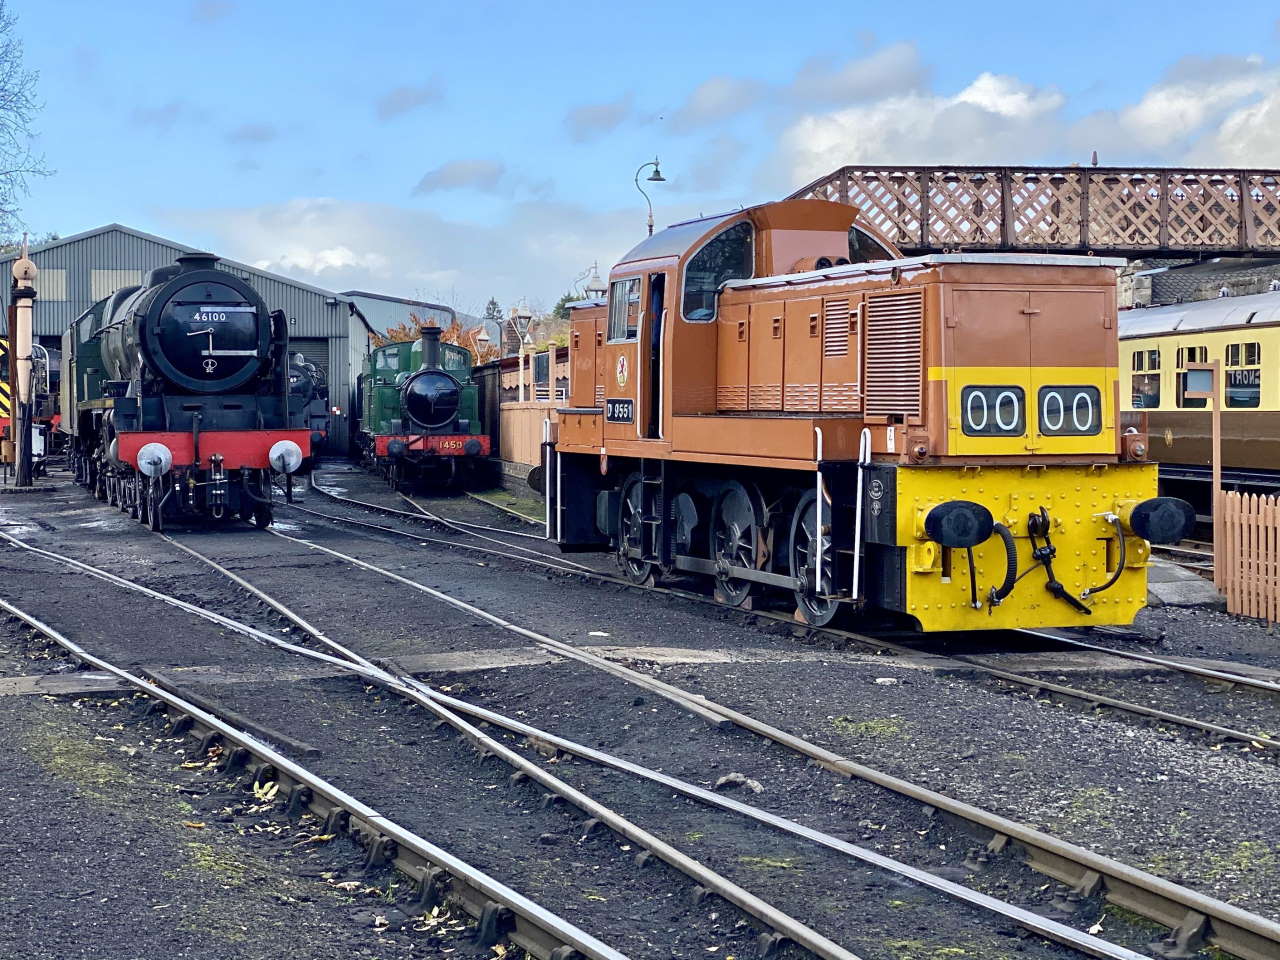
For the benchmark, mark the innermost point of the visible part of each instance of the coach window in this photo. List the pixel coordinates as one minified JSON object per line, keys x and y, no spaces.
{"x":1188,"y":355}
{"x":726,"y":256}
{"x":1146,"y":379}
{"x":624,"y":310}
{"x":1244,"y":374}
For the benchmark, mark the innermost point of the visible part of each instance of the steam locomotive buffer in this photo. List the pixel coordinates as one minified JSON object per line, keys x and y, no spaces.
{"x":775,"y":398}
{"x":178,"y":397}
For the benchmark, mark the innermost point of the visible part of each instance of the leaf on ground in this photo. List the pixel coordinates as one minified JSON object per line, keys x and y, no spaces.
{"x":265,"y":791}
{"x":1096,"y":928}
{"x":193,"y":824}
{"x":348,"y":886}
{"x":316,"y":838}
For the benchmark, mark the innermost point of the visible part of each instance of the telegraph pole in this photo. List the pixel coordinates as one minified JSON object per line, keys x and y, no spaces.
{"x":24,"y":295}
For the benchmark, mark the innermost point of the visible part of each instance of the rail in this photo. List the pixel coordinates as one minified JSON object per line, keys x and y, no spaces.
{"x":1132,"y":211}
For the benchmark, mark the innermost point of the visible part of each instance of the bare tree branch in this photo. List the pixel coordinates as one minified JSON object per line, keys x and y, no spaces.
{"x":18,"y":108}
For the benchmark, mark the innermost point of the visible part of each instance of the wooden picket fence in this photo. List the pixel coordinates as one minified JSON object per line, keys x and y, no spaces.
{"x":1246,"y":554}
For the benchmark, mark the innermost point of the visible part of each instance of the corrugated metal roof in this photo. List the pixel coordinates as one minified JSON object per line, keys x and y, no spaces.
{"x":1258,"y":308}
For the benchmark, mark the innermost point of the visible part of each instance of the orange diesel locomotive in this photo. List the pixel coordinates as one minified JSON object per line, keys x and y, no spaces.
{"x":776,"y":399}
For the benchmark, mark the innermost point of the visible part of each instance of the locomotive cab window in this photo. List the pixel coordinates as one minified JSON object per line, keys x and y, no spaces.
{"x":624,"y":310}
{"x":1188,"y":355}
{"x":864,"y":248}
{"x":388,"y":360}
{"x":1146,"y":379}
{"x":1243,"y":383}
{"x":729,"y":255}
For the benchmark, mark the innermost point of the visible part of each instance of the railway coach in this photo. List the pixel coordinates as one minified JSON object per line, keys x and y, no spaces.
{"x":776,"y":399}
{"x":1243,"y":335}
{"x":178,"y":398}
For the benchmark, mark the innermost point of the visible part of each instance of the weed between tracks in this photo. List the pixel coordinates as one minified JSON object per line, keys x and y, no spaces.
{"x":883,"y":728}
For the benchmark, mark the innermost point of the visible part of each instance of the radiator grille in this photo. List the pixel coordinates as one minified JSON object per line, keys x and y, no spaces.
{"x":895,"y":327}
{"x":731,"y":397}
{"x":840,"y":396}
{"x":599,"y":395}
{"x":835,"y":328}
{"x":800,"y":396}
{"x":766,"y":396}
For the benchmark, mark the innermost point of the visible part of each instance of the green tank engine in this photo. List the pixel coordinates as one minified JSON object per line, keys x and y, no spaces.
{"x":420,"y":413}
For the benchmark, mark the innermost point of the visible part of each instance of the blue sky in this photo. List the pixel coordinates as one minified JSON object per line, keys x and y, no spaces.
{"x":457,"y":151}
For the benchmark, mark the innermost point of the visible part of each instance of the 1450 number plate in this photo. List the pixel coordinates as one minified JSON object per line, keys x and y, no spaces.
{"x":620,"y":411}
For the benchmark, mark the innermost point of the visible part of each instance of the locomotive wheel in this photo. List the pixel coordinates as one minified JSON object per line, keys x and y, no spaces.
{"x":144,"y":504}
{"x":737,"y":522}
{"x":135,"y":497}
{"x":803,"y":557}
{"x":631,"y":533}
{"x":113,"y":494}
{"x":155,"y":517}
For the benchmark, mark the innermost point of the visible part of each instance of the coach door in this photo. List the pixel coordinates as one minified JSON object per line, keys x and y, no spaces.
{"x":620,"y":355}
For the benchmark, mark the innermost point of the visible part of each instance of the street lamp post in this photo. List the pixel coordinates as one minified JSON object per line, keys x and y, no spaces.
{"x":655,"y":177}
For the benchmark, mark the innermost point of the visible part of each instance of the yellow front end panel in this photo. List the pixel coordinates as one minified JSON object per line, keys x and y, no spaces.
{"x":937,"y":588}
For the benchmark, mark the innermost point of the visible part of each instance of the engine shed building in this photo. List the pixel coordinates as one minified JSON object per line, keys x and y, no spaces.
{"x":76,"y":271}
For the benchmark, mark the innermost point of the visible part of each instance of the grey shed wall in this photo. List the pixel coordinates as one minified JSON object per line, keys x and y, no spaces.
{"x":312,"y":312}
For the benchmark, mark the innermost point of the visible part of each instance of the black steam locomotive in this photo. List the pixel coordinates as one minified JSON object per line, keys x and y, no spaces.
{"x":181,"y":398}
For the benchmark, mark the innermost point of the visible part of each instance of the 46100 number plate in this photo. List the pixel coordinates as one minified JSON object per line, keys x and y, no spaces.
{"x":620,"y":411}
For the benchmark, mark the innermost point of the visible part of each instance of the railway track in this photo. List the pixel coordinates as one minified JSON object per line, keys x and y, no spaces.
{"x":450,"y":710}
{"x":1213,"y":733}
{"x":1189,"y":915}
{"x":502,"y":913}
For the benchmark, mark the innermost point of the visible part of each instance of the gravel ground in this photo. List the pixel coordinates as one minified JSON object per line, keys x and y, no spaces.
{"x":1240,"y":708}
{"x":1189,"y":632}
{"x":114,"y":852}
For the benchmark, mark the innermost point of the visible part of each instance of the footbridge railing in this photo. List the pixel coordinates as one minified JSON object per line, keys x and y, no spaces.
{"x":1131,"y":211}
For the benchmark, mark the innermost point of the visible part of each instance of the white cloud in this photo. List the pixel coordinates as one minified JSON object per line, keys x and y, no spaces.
{"x":593,"y":120}
{"x":483,"y":175}
{"x":994,"y":119}
{"x":894,"y":69}
{"x":535,"y":252}
{"x":1221,"y":110}
{"x":716,"y":100}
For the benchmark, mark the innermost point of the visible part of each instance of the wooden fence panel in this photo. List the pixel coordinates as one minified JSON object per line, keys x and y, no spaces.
{"x":1246,"y":554}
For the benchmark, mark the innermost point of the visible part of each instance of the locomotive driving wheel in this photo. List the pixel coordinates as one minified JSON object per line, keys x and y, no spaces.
{"x":155,"y":516}
{"x":631,"y":533}
{"x":144,"y":502}
{"x":737,"y":525}
{"x":135,"y":497}
{"x":815,"y":584}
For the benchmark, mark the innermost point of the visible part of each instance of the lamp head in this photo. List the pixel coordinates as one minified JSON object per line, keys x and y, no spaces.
{"x":656,"y":176}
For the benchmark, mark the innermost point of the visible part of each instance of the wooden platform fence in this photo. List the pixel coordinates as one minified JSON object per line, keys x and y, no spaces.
{"x":1246,"y":554}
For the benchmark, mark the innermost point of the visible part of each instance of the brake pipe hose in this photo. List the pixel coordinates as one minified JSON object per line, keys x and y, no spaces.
{"x":1115,"y":521}
{"x":999,"y":593}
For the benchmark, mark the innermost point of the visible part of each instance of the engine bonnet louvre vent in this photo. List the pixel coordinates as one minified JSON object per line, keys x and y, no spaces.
{"x":835,"y":328}
{"x":894,"y":335}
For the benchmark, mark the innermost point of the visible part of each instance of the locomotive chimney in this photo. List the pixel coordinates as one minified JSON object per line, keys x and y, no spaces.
{"x":196,"y":261}
{"x":430,"y":347}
